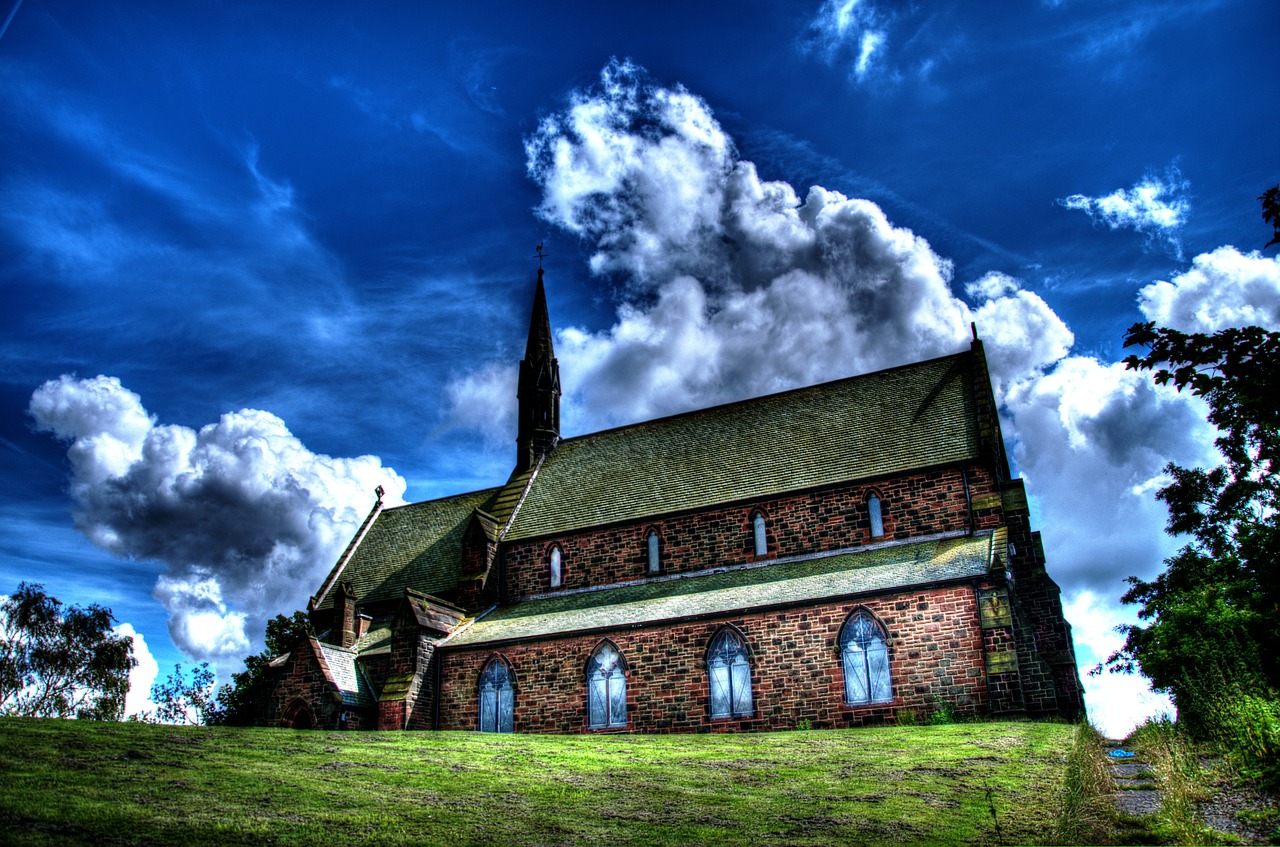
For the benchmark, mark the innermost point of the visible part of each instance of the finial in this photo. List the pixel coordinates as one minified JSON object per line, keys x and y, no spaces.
{"x":379,"y":492}
{"x":541,"y":255}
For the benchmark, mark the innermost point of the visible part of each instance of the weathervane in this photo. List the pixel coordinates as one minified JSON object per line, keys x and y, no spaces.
{"x":541,"y":255}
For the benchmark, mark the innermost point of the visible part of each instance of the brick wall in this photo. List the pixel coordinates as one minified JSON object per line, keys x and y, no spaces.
{"x":935,"y":646}
{"x":829,"y":519}
{"x":303,"y":680}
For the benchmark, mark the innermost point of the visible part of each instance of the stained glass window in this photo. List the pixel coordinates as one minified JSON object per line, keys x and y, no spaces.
{"x":758,"y":534}
{"x":729,"y":676}
{"x":866,"y":661}
{"x":655,"y":563}
{"x":497,"y":700}
{"x":877,"y":521}
{"x":554,"y":563}
{"x":606,"y":689}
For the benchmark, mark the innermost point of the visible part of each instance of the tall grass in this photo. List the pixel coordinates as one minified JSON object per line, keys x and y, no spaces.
{"x":1182,"y":783}
{"x":1086,"y":814}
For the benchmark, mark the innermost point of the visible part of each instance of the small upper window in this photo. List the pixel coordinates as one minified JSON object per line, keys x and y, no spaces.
{"x":877,"y":521}
{"x":758,"y":534}
{"x":655,"y":561}
{"x":554,"y":563}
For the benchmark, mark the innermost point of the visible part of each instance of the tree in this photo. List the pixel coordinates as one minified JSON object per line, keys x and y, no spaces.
{"x":182,"y":701}
{"x":61,"y":662}
{"x":244,"y":702}
{"x":1212,"y":618}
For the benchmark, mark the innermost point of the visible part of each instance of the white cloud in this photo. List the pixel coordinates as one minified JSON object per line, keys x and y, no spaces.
{"x":1221,"y":289}
{"x":142,"y":676}
{"x":247,"y":519}
{"x":1117,"y":702}
{"x":1155,"y":206}
{"x":849,"y":31}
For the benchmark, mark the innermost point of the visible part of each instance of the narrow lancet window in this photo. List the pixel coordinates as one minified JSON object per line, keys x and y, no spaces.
{"x":758,"y":534}
{"x":655,"y":562}
{"x":554,"y":566}
{"x":865,"y":658}
{"x":606,"y":689}
{"x":729,"y":676}
{"x":877,"y":521}
{"x":497,"y":699}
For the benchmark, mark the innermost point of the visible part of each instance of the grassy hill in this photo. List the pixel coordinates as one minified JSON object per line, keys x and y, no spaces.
{"x":77,"y":782}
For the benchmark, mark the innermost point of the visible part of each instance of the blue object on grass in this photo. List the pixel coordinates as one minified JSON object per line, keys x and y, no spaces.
{"x":1121,"y":754}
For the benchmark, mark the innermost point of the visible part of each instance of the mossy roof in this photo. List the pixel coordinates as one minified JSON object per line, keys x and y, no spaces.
{"x":417,"y":546}
{"x":881,"y":423}
{"x":794,"y":581}
{"x":862,"y":427}
{"x":346,"y":674}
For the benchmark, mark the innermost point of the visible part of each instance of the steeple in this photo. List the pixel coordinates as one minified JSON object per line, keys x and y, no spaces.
{"x":539,"y":388}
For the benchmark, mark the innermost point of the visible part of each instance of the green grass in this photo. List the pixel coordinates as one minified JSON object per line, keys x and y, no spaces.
{"x":978,"y":783}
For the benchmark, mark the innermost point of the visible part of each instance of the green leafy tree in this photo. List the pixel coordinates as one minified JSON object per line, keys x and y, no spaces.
{"x":183,"y":700}
{"x":244,"y":701}
{"x":61,"y":662}
{"x":1211,"y":620}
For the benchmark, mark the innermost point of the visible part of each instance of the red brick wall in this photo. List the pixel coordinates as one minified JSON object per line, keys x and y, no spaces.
{"x":830,"y":519}
{"x":935,"y":648}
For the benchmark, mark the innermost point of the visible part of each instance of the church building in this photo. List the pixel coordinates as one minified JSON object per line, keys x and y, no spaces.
{"x":845,"y":554}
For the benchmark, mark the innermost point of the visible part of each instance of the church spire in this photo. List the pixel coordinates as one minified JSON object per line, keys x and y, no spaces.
{"x":539,"y":387}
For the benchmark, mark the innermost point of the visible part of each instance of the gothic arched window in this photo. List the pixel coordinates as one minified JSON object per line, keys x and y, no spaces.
{"x":873,"y":512}
{"x":497,"y":698}
{"x":865,"y":659}
{"x":758,"y":534}
{"x":606,"y":688}
{"x":655,"y":560}
{"x":729,"y":676}
{"x":553,"y":566}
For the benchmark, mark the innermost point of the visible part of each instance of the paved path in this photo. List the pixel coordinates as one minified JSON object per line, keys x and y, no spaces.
{"x":1136,"y":795}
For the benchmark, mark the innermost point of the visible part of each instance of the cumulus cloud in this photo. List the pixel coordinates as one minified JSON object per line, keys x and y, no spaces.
{"x":732,"y":285}
{"x":1221,"y":289}
{"x":1155,"y":206}
{"x":142,"y":676}
{"x":246,"y":518}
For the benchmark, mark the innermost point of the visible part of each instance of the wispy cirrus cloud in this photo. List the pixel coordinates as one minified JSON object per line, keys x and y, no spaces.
{"x":853,"y":31}
{"x":1156,"y":206}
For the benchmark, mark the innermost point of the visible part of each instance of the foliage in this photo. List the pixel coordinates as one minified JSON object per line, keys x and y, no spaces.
{"x":61,"y":662}
{"x":1086,"y":814}
{"x":187,"y":701}
{"x":244,"y":701}
{"x":68,"y":782}
{"x":1183,"y":784}
{"x":1212,"y":618}
{"x":1271,"y":211}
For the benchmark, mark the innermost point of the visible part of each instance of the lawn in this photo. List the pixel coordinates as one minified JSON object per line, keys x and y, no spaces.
{"x":92,"y":783}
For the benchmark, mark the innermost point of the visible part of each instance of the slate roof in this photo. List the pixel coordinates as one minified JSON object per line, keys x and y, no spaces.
{"x":347,"y":675}
{"x":416,"y":546}
{"x":886,"y":422}
{"x":728,"y":590}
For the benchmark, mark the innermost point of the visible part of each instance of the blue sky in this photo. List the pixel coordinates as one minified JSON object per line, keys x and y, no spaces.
{"x":261,"y":258}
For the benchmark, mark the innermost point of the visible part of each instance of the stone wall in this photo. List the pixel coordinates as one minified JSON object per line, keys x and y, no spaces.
{"x":935,"y":644}
{"x":829,"y":519}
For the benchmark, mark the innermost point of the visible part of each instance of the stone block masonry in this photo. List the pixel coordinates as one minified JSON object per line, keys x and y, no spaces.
{"x":936,"y":655}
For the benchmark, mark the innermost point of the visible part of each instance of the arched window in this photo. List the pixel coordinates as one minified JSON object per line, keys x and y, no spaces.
{"x":866,"y":661}
{"x":729,"y":676}
{"x":497,"y":699}
{"x":655,"y":560}
{"x":606,"y":688}
{"x":873,"y":511}
{"x":553,"y":563}
{"x":758,"y":534}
